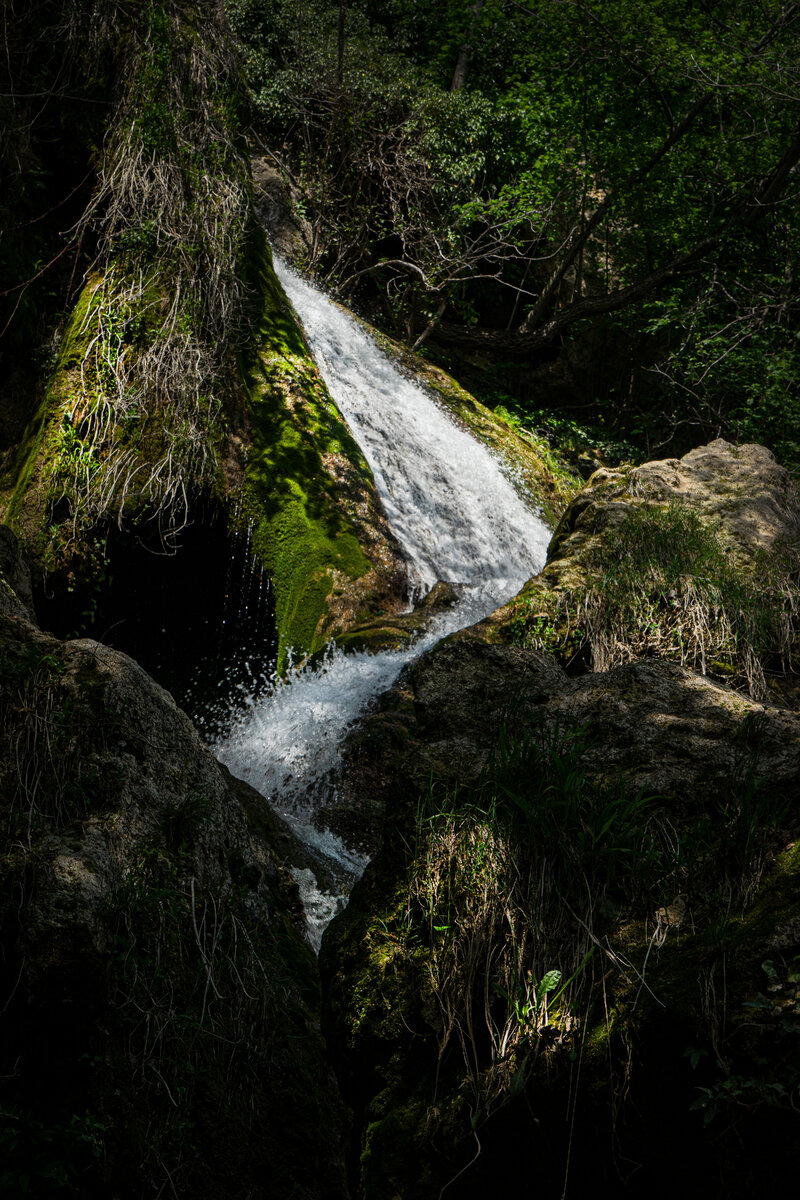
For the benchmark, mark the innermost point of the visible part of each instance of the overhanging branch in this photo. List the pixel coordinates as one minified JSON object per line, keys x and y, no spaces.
{"x":759,"y":201}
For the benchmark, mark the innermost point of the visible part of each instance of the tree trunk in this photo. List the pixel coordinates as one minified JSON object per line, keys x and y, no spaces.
{"x":340,"y":54}
{"x":465,"y":52}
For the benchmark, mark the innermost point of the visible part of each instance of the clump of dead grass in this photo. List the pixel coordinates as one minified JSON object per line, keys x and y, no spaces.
{"x":662,"y":583}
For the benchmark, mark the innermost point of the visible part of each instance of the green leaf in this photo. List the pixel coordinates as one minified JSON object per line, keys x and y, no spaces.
{"x":548,"y":982}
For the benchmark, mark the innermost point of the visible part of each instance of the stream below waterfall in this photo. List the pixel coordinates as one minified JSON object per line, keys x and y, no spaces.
{"x":458,"y":517}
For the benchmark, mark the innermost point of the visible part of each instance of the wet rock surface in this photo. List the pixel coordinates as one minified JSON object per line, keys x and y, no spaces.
{"x":277,"y":206}
{"x":392,"y":630}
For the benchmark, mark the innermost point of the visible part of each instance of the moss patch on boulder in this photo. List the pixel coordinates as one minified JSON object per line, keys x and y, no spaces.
{"x":694,"y":560}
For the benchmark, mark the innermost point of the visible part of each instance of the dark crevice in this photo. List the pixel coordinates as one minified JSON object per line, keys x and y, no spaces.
{"x":200,"y":618}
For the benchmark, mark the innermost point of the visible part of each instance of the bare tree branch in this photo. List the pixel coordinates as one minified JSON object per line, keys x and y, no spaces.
{"x":750,"y":209}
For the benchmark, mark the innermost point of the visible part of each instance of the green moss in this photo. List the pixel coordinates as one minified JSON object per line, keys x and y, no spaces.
{"x":389,"y":1142}
{"x":301,"y":533}
{"x":35,"y":450}
{"x":24,"y":466}
{"x":133,"y":425}
{"x":86,"y":428}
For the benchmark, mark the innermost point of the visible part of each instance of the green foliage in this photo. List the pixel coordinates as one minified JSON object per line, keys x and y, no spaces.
{"x":771,"y":1078}
{"x":38,"y":1158}
{"x":732,"y":363}
{"x":571,"y":440}
{"x":387,"y":157}
{"x":654,"y":547}
{"x":436,"y":207}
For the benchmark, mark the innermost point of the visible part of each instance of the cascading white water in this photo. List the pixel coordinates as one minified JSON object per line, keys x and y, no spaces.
{"x":448,"y":501}
{"x":457,"y":516}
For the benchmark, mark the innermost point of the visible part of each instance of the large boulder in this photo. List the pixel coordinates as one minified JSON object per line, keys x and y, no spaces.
{"x":666,"y":905}
{"x":579,"y":922}
{"x":741,"y":492}
{"x":694,"y":560}
{"x":160,"y":1019}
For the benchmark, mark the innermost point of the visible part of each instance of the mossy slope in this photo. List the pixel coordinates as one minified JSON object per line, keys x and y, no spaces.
{"x":135,"y":415}
{"x":318,"y":526}
{"x":182,"y":384}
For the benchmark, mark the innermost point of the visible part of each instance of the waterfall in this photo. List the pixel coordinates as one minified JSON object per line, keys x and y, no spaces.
{"x":457,"y":516}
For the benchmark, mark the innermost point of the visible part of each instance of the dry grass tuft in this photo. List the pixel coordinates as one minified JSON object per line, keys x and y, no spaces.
{"x":141,"y":420}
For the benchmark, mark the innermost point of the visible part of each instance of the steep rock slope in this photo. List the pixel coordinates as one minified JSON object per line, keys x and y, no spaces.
{"x":182,"y":394}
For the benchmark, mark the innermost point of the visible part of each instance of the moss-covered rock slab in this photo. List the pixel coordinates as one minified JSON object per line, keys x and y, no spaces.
{"x":318,"y":525}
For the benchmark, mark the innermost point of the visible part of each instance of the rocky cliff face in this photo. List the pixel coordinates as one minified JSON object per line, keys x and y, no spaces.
{"x":182,"y":395}
{"x":160,"y":1027}
{"x":580,"y":925}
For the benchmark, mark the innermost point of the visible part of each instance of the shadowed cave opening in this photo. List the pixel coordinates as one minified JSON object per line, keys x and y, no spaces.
{"x":200,"y":617}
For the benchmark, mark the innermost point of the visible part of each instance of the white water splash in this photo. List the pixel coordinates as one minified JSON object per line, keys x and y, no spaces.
{"x":457,"y":517}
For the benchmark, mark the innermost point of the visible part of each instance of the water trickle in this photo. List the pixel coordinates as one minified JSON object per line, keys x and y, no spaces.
{"x":457,"y":516}
{"x":242,"y":655}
